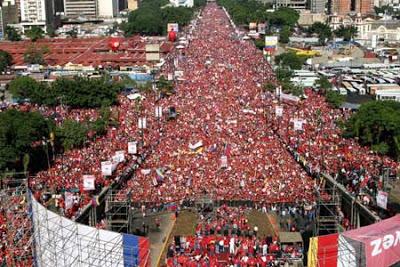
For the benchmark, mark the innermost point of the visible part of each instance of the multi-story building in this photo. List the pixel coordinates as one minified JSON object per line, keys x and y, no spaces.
{"x":108,"y":8}
{"x":364,"y":7}
{"x":295,"y":4}
{"x":344,"y":7}
{"x":81,"y":8}
{"x":318,"y":6}
{"x":340,"y":7}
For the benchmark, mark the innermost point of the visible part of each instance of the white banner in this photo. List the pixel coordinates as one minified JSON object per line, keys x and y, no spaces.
{"x":88,"y":182}
{"x":170,"y":77}
{"x":69,"y":200}
{"x":298,"y":125}
{"x":178,"y":73}
{"x":121,"y":155}
{"x":158,"y":112}
{"x":224,"y":161}
{"x":382,"y":199}
{"x":142,"y":123}
{"x":132,"y":147}
{"x":289,"y":97}
{"x":106,"y":168}
{"x":278,"y":111}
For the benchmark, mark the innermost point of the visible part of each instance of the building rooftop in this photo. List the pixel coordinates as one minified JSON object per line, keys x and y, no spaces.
{"x":86,"y":51}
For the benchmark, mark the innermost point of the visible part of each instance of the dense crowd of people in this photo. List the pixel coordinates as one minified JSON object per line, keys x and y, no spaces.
{"x":320,"y":145}
{"x":221,"y":145}
{"x":15,"y":229}
{"x":224,"y":237}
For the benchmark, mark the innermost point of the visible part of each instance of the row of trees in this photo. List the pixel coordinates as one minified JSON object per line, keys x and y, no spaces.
{"x":245,"y":11}
{"x":78,"y":92}
{"x":377,"y":124}
{"x":35,"y":33}
{"x":324,"y":32}
{"x":26,"y":138}
{"x":153,"y":16}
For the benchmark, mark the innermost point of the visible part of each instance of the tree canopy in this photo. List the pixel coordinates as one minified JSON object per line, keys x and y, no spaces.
{"x":20,"y":132}
{"x":77,"y":92}
{"x":152,"y":17}
{"x":35,"y":55}
{"x":323,"y":31}
{"x":334,"y":98}
{"x":377,"y":123}
{"x":284,"y":34}
{"x":347,"y":33}
{"x":12,"y":34}
{"x":5,"y":60}
{"x":245,"y":11}
{"x":290,"y":60}
{"x":35,"y":33}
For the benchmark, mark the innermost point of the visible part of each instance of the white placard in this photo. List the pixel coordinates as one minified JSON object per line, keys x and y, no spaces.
{"x":106,"y":168}
{"x":121,"y":155}
{"x":132,"y":147}
{"x":88,"y":182}
{"x":142,"y":123}
{"x":382,"y":199}
{"x":224,"y":161}
{"x":170,"y":77}
{"x":69,"y":200}
{"x":286,"y":97}
{"x":178,"y":73}
{"x":298,"y":125}
{"x":278,"y":111}
{"x":158,"y":112}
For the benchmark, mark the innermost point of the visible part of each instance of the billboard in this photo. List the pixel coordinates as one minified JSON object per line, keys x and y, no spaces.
{"x":271,"y":42}
{"x":373,"y":245}
{"x":173,"y":27}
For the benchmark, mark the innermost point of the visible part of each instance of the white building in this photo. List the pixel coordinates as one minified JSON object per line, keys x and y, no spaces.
{"x":384,"y":29}
{"x":33,"y":13}
{"x":81,"y":8}
{"x":108,"y":8}
{"x":186,"y":3}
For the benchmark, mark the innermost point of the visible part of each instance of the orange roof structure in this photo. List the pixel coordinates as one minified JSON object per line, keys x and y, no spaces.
{"x":86,"y":51}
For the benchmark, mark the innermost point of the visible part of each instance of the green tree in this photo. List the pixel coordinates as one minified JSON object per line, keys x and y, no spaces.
{"x":35,"y":55}
{"x":284,"y":35}
{"x":12,"y":34}
{"x":72,"y":134}
{"x":334,"y":98}
{"x":283,"y":74}
{"x":269,"y":86}
{"x":324,"y":84}
{"x":347,"y":33}
{"x":291,"y":60}
{"x":5,"y":60}
{"x":24,"y":87}
{"x":323,"y":31}
{"x":35,"y":33}
{"x":51,"y":32}
{"x":284,"y":16}
{"x":377,"y":123}
{"x":20,"y":132}
{"x":260,"y":43}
